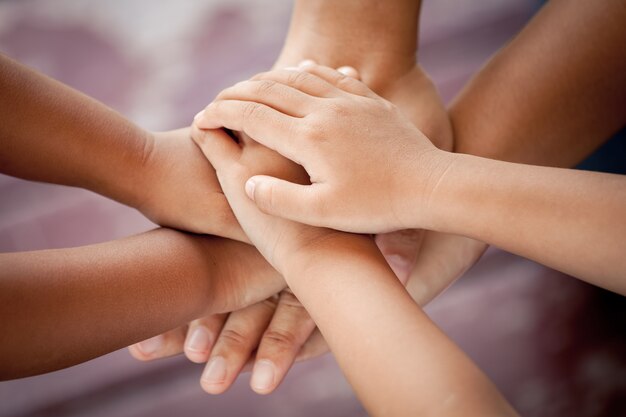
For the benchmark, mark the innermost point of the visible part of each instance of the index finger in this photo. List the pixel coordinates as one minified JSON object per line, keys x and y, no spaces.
{"x":262,"y":123}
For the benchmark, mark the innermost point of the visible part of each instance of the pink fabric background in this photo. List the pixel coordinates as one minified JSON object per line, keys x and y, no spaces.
{"x":553,"y":345}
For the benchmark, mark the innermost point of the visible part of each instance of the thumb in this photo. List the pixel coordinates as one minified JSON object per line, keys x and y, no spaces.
{"x":218,"y":147}
{"x":285,"y":199}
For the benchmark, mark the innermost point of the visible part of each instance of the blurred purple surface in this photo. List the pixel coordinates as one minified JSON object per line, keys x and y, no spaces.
{"x":553,"y":345}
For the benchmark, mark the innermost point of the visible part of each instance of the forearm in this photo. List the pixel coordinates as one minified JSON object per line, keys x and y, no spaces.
{"x":53,"y":133}
{"x":567,"y":219}
{"x":380,"y":336}
{"x":554,"y":94}
{"x":62,"y":307}
{"x":378,"y":38}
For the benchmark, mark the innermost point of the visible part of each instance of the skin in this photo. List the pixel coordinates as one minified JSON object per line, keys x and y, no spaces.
{"x":436,"y":376}
{"x":547,"y":104}
{"x":88,"y":301}
{"x":359,"y":186}
{"x":336,"y":34}
{"x":88,"y":145}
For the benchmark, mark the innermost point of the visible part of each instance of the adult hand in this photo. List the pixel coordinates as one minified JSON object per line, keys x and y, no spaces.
{"x":269,"y":336}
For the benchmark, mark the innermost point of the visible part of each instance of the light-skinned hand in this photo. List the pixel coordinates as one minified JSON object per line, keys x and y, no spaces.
{"x":355,"y":146}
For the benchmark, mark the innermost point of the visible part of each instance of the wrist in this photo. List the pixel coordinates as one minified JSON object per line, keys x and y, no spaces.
{"x":124,"y":178}
{"x":426,"y":191}
{"x":331,"y":250}
{"x":377,"y":49}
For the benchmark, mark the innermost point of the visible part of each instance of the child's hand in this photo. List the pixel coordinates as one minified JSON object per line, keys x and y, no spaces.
{"x":181,"y":189}
{"x":363,"y":156}
{"x":278,"y":240}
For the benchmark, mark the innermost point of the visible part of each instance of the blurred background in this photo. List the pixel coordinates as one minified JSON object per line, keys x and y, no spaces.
{"x":553,"y":345}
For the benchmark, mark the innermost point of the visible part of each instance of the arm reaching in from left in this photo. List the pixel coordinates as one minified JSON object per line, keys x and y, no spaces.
{"x":372,"y":171}
{"x":377,"y":333}
{"x":55,"y":134}
{"x":78,"y":303}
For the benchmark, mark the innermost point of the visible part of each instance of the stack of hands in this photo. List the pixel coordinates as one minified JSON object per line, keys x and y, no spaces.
{"x":315,"y":183}
{"x":313,"y":115}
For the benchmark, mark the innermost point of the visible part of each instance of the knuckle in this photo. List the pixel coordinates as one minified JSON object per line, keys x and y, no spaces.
{"x":337,"y":109}
{"x":298,"y":78}
{"x":252,"y":111}
{"x":271,"y":302}
{"x":287,"y":297}
{"x":281,"y":338}
{"x":310,"y":128}
{"x":263,"y":87}
{"x":389,"y":106}
{"x":233,"y":338}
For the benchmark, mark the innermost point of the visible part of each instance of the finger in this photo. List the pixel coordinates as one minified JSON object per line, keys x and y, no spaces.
{"x":201,"y":336}
{"x":264,"y":124}
{"x":161,"y":346}
{"x":349,"y":72}
{"x":289,"y":329}
{"x":239,"y":337}
{"x":303,"y":81}
{"x":219,"y":148}
{"x":277,"y":197}
{"x":281,"y":97}
{"x":442,"y":259}
{"x":315,"y":346}
{"x":340,"y":79}
{"x":400,"y":250}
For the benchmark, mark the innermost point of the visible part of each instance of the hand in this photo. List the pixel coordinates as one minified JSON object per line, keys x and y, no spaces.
{"x":359,"y":184}
{"x":182,"y":191}
{"x":267,"y":337}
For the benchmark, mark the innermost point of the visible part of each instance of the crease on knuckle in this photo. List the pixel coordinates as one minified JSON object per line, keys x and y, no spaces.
{"x":264,"y":87}
{"x":298,"y":78}
{"x":233,"y":337}
{"x":288,"y":298}
{"x":252,"y":114}
{"x":281,"y":338}
{"x":310,"y":129}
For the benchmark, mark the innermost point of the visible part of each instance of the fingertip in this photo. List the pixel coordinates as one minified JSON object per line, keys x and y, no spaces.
{"x":307,"y":63}
{"x":149,"y":348}
{"x":250,"y":187}
{"x":349,"y":71}
{"x":198,"y":344}
{"x":213,"y":379}
{"x":198,"y":115}
{"x":263,"y":379}
{"x":137,"y":354}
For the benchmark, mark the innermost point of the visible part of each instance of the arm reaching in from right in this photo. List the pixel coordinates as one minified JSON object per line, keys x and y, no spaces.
{"x":377,"y":333}
{"x":372,"y":171}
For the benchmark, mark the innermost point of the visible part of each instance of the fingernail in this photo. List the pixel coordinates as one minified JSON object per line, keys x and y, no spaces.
{"x":400,"y":266}
{"x":306,"y":63}
{"x":150,"y":346}
{"x":250,"y":186}
{"x":198,"y":115}
{"x":262,"y":375}
{"x":200,"y":340}
{"x":348,"y":71}
{"x":215,"y":372}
